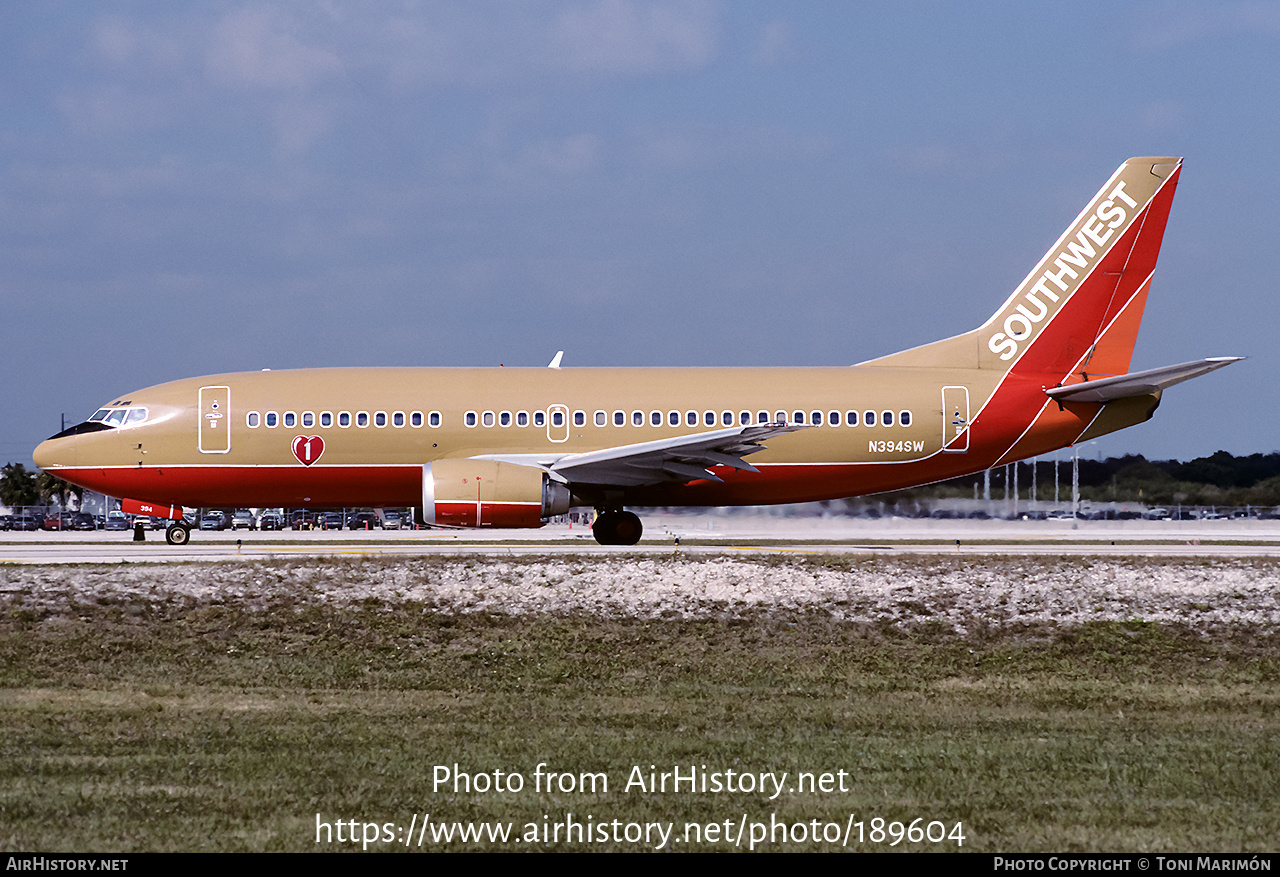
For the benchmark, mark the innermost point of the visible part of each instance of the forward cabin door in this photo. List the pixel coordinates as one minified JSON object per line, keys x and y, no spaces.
{"x":215,"y":420}
{"x":955,"y":420}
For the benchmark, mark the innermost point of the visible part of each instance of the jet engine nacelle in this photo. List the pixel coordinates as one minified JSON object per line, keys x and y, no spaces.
{"x":489,"y":493}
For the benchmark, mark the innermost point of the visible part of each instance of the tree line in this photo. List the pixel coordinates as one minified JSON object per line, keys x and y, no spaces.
{"x":1220,"y":479}
{"x":20,"y":488}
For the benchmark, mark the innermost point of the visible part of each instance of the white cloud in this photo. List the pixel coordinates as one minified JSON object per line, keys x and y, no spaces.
{"x":1175,"y":27}
{"x":776,"y":44}
{"x":617,"y":36}
{"x":703,"y":145}
{"x":261,"y":48}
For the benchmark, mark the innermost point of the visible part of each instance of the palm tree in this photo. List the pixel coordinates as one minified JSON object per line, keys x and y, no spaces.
{"x":48,"y":486}
{"x":18,"y":486}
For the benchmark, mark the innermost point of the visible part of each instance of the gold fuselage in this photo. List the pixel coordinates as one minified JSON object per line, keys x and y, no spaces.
{"x":167,"y":458}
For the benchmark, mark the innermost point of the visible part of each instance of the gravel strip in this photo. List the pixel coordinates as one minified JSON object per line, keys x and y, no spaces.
{"x":902,"y":590}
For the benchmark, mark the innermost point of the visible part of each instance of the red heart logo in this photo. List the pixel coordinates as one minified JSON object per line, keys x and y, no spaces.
{"x":307,"y":448}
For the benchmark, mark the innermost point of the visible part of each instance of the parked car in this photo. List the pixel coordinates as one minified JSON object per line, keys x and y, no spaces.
{"x":213,"y":521}
{"x":84,"y":521}
{"x":391,"y":521}
{"x":271,"y":521}
{"x":303,"y":520}
{"x":363,"y":521}
{"x":332,"y":521}
{"x":25,"y":522}
{"x":243,"y":519}
{"x":118,"y":521}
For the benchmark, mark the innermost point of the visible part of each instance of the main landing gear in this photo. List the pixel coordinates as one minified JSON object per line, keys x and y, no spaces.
{"x":177,"y":534}
{"x":614,"y":527}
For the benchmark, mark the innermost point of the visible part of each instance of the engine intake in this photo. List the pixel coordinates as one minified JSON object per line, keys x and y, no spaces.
{"x":489,"y":493}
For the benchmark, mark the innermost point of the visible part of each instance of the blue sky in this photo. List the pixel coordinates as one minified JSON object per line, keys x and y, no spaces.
{"x":205,"y":187}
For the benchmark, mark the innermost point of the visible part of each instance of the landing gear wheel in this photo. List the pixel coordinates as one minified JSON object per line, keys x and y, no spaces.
{"x":617,"y":528}
{"x":177,"y":534}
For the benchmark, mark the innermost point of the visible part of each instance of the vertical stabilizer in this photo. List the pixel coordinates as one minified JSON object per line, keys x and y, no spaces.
{"x":1080,"y":307}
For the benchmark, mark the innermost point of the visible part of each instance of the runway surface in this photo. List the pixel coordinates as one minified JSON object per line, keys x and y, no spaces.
{"x":694,"y":535}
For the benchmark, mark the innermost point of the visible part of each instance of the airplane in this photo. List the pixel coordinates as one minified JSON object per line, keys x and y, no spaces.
{"x":511,"y":447}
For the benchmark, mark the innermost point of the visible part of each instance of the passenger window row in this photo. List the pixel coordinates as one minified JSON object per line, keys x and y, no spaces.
{"x":343,"y":419}
{"x":691,"y":418}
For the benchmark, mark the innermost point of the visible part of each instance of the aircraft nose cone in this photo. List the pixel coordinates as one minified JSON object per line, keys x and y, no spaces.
{"x":54,"y":452}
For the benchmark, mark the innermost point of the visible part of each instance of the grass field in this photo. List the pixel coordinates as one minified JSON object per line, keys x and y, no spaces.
{"x":137,"y":722}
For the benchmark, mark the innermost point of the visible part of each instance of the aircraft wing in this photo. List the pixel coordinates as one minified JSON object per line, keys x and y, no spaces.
{"x":684,"y":458}
{"x":1141,"y":383}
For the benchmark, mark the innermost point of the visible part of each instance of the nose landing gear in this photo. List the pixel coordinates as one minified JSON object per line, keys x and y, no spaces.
{"x":616,"y":527}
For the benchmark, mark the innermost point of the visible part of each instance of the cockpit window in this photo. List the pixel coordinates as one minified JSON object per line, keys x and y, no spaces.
{"x":119,"y":416}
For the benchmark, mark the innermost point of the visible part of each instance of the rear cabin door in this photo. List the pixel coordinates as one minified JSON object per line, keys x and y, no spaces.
{"x":955,"y":420}
{"x":215,"y":420}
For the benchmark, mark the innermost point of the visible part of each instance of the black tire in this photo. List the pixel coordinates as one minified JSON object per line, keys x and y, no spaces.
{"x":617,"y":528}
{"x":628,"y":529}
{"x":177,"y":534}
{"x":603,"y":526}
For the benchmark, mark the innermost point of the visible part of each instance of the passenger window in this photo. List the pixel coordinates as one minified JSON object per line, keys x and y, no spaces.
{"x":522,"y":418}
{"x":290,"y":419}
{"x":469,"y":418}
{"x":691,"y":418}
{"x":273,"y":420}
{"x":253,"y":419}
{"x":780,"y":417}
{"x":362,"y":419}
{"x":504,"y":418}
{"x":869,"y":418}
{"x":709,"y":418}
{"x":344,"y":419}
{"x":415,"y":420}
{"x":833,"y":418}
{"x":673,"y":418}
{"x":602,"y":419}
{"x":904,"y":418}
{"x":619,"y":418}
{"x":851,"y":418}
{"x":637,"y":418}
{"x":380,"y":419}
{"x":798,"y":417}
{"x":397,"y":419}
{"x":762,"y":417}
{"x":557,"y":418}
{"x":539,"y":419}
{"x":579,"y":418}
{"x":308,"y":419}
{"x":326,"y":418}
{"x":744,"y":418}
{"x":886,"y":418}
{"x":655,"y":418}
{"x":815,"y":418}
{"x":486,"y":419}
{"x":433,"y":419}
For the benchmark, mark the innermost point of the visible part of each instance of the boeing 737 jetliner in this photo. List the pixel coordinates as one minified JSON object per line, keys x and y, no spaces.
{"x":510,"y":447}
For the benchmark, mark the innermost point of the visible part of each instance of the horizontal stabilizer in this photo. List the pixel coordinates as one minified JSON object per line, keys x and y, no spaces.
{"x":1142,"y":383}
